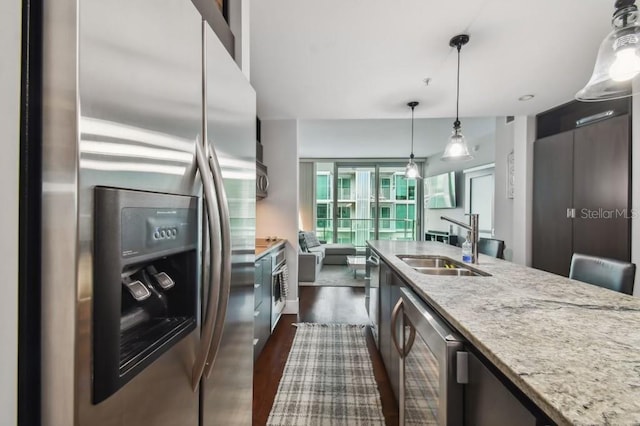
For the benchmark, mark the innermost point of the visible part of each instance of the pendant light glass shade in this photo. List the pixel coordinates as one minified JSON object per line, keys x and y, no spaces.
{"x":411,"y":170}
{"x":618,"y":62}
{"x":456,"y":149}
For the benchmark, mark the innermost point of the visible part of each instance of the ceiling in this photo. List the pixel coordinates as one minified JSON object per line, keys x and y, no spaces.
{"x":365,"y":59}
{"x":388,"y":138}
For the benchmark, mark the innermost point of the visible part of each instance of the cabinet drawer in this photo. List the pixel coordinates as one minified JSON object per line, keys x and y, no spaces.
{"x":261,"y":328}
{"x":258,"y":284}
{"x":257,"y":294}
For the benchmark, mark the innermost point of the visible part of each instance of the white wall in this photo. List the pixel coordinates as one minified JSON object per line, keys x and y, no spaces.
{"x":524,"y":129}
{"x":10,"y":28}
{"x":277,"y":215}
{"x":503,"y":206}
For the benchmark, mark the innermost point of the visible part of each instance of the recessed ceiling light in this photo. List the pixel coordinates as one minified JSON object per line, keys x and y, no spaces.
{"x":526,"y":97}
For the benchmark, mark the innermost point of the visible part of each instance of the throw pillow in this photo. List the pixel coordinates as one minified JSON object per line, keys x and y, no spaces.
{"x":311,"y":239}
{"x":302,"y":243}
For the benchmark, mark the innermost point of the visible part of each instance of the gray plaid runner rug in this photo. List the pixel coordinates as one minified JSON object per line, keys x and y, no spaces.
{"x":328,"y":379}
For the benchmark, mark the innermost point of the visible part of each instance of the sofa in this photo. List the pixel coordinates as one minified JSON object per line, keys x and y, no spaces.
{"x":313,"y":254}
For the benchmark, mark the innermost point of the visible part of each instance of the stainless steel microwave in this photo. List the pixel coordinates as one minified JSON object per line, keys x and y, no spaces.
{"x":262,"y":180}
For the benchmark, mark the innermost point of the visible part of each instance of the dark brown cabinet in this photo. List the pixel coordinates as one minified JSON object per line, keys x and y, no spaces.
{"x":581,"y":194}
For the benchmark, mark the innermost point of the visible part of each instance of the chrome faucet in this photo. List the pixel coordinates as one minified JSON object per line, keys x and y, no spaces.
{"x":473,"y":232}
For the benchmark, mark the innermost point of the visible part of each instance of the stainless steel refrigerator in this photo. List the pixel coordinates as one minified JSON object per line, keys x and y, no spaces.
{"x":145,"y":132}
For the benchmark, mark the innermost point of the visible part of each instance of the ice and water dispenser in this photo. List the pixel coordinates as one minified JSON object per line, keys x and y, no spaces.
{"x":145,"y":281}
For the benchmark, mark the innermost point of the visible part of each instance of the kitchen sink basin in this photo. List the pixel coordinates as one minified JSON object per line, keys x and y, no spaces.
{"x":460,"y":272}
{"x":440,"y":265}
{"x":429,"y":262}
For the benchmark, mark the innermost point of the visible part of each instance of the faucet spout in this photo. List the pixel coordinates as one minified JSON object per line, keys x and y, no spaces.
{"x":456,"y":222}
{"x":473,"y":232}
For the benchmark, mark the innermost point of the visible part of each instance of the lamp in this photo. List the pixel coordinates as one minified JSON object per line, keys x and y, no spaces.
{"x":456,"y":149}
{"x":411,"y":171}
{"x":618,"y":61}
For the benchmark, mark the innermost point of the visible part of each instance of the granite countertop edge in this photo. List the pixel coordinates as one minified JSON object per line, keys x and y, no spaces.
{"x":263,"y":251}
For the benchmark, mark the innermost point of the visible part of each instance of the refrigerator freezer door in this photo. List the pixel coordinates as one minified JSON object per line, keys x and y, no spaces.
{"x":231,"y":121}
{"x":122,"y":107}
{"x":140,"y":117}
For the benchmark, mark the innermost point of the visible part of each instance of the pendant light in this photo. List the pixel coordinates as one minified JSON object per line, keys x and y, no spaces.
{"x":456,"y":149}
{"x":412,"y":171}
{"x":618,"y":61}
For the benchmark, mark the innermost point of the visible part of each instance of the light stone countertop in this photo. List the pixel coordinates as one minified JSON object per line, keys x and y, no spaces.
{"x":572,"y":348}
{"x":263,"y":247}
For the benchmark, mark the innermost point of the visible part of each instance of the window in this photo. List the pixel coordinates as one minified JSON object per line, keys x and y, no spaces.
{"x":322,"y":216}
{"x":323,"y":187}
{"x":347,"y":209}
{"x":385,"y":213}
{"x":405,"y":216}
{"x":385,"y":188}
{"x":405,"y":189}
{"x":344,"y":188}
{"x":344,"y":212}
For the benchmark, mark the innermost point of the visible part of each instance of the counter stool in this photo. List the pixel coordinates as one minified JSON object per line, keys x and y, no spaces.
{"x":491,"y":247}
{"x":608,"y":273}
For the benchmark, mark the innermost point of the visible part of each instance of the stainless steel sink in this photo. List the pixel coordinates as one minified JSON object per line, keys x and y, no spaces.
{"x":460,"y":272}
{"x":441,"y":265}
{"x":429,"y":262}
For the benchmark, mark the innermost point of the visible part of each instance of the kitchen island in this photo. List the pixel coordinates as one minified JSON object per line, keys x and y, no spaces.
{"x":572,"y":348}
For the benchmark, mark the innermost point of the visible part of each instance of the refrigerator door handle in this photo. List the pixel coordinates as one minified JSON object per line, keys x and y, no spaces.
{"x":215,"y":266}
{"x":225,"y":287}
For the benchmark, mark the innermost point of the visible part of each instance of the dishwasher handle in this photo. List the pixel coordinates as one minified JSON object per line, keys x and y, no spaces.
{"x":394,"y":323}
{"x":402,"y":351}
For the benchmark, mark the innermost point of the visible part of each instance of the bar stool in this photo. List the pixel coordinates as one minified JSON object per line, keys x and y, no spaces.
{"x":491,"y":247}
{"x":613,"y":274}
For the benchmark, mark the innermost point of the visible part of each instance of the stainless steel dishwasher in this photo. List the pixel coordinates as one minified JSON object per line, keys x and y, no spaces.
{"x":433,"y":365}
{"x":441,"y":383}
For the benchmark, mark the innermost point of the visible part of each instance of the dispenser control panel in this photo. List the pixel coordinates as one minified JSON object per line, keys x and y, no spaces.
{"x":147,"y":230}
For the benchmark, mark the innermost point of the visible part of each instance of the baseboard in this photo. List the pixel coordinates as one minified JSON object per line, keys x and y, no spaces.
{"x":291,"y":306}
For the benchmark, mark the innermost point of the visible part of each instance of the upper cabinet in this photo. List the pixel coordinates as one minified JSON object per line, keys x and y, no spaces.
{"x":581,"y":184}
{"x":216,"y":13}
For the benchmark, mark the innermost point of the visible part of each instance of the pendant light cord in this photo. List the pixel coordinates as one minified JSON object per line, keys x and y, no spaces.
{"x":412,"y":108}
{"x":457,"y":122}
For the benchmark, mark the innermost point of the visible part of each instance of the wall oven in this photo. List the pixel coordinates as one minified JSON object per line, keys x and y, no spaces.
{"x":433,"y":365}
{"x":279,"y":285}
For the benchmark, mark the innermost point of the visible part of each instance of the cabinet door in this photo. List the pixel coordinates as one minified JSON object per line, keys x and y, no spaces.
{"x":267,"y":289}
{"x":601,"y":189}
{"x":258,"y":285}
{"x":552,"y":232}
{"x":488,"y":402}
{"x":393,"y":370}
{"x":385,"y":308}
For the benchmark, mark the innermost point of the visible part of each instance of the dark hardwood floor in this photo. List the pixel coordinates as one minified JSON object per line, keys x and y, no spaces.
{"x":321,"y":305}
